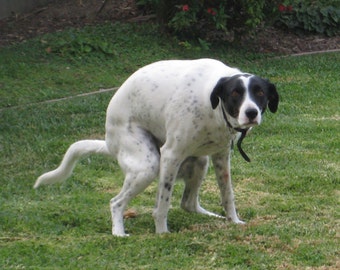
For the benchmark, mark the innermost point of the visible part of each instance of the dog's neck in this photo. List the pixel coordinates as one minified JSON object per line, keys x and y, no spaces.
{"x":242,"y":130}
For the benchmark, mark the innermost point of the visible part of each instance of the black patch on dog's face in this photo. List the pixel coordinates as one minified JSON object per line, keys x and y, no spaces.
{"x":264,"y":94}
{"x":231,"y":90}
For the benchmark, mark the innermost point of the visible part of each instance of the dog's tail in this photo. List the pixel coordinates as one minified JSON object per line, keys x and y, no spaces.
{"x":73,"y":154}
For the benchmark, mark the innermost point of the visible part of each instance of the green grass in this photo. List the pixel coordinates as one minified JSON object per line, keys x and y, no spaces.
{"x":288,"y":194}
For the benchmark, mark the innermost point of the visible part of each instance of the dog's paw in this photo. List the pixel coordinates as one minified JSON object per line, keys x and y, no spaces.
{"x":162,"y":229}
{"x":235,"y":220}
{"x":163,"y":232}
{"x":120,"y":234}
{"x":240,"y":222}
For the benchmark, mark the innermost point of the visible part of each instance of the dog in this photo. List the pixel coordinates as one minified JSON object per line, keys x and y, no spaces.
{"x":164,"y":122}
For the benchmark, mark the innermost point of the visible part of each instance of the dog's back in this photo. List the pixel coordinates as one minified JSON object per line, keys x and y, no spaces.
{"x":164,"y":91}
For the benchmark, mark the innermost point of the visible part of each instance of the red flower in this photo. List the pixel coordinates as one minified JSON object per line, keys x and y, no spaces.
{"x":211,"y":11}
{"x":282,"y":8}
{"x":185,"y":8}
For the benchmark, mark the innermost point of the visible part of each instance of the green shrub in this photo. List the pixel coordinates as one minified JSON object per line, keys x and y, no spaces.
{"x":219,"y":19}
{"x":316,"y":17}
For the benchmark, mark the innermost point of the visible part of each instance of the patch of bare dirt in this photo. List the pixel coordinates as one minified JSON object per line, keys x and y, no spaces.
{"x":272,"y":39}
{"x":62,"y":14}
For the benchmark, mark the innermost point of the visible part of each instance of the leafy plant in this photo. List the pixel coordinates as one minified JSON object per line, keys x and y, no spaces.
{"x":78,"y":43}
{"x":209,"y":19}
{"x":311,"y":17}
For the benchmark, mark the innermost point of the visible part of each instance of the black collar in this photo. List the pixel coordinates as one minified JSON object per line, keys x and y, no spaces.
{"x":243,"y":134}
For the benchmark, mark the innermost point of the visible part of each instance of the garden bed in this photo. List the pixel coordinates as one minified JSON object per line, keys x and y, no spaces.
{"x":59,"y":15}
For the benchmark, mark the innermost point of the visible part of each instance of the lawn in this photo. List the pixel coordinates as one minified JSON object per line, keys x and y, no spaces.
{"x":288,"y":195}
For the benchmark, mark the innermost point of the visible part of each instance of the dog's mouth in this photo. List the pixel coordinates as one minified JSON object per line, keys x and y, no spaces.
{"x":249,"y":124}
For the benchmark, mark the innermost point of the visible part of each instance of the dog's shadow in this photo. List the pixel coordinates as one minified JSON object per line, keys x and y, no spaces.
{"x":178,"y":221}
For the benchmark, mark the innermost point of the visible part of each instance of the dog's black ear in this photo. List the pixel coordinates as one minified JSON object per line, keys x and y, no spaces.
{"x":217,"y":92}
{"x":273,"y":98}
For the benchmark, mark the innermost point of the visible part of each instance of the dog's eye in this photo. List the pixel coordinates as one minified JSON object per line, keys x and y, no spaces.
{"x":235,"y":93}
{"x":259,"y":93}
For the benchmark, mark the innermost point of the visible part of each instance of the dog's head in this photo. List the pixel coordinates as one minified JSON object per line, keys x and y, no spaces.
{"x":244,"y":99}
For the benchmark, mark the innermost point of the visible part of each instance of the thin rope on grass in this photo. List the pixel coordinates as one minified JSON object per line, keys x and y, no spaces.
{"x":115,"y":88}
{"x":100,"y":91}
{"x":306,"y":53}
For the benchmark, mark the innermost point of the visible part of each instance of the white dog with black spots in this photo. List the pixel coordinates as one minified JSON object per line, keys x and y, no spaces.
{"x":164,"y":122}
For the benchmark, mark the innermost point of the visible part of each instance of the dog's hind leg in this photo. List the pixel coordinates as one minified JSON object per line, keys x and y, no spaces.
{"x":134,"y":183}
{"x":193,"y":171}
{"x":139,"y":159}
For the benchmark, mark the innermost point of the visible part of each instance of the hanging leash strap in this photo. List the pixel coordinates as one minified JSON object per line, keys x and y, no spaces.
{"x":243,"y":135}
{"x":239,"y":142}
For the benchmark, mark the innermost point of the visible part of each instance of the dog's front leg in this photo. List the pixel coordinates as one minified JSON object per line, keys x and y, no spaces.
{"x":168,"y":171}
{"x":221,"y":163}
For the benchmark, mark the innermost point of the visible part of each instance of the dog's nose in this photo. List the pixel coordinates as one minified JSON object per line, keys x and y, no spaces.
{"x":251,"y":114}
